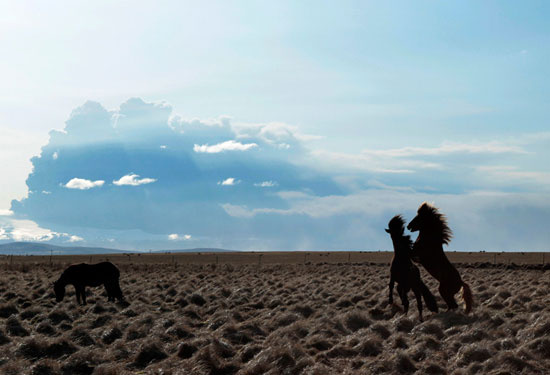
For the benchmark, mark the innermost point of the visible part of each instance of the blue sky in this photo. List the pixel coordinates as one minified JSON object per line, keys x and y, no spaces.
{"x":273,"y":126}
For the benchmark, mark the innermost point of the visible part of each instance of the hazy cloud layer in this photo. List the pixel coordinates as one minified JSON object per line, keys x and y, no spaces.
{"x":142,"y":177}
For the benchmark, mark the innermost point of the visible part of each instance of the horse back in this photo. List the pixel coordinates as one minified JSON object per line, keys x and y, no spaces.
{"x":91,"y":274}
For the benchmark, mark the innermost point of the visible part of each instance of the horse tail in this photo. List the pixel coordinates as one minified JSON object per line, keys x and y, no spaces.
{"x":428,"y":297}
{"x":467,"y":297}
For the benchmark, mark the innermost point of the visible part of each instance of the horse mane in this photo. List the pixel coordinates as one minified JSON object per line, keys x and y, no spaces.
{"x":396,"y":226}
{"x":436,"y":222}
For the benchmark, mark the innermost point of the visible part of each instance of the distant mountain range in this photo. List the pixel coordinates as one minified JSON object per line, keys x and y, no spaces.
{"x":34,"y":248}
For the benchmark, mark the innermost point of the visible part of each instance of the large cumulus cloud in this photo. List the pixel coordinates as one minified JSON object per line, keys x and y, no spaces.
{"x":137,"y":168}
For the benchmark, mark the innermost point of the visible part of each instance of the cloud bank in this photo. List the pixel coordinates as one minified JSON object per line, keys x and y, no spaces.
{"x":259,"y":187}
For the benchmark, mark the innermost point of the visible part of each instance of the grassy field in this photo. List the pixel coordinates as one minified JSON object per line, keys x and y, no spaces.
{"x":271,"y":313}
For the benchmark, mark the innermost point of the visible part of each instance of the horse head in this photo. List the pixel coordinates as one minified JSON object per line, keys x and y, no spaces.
{"x":59,"y":290}
{"x":396,"y":226}
{"x":430,"y":219}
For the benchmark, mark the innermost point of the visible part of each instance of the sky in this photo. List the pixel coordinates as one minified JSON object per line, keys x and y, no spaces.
{"x":283,"y":125}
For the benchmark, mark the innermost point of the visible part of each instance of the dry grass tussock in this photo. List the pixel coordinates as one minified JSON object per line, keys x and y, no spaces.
{"x":271,"y":319}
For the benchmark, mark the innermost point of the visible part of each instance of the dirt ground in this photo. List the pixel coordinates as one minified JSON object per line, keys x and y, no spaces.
{"x":276,"y":313}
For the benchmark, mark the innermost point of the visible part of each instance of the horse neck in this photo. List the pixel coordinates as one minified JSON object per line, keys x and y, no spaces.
{"x":62,"y":280}
{"x":401,"y":247}
{"x":428,"y":240}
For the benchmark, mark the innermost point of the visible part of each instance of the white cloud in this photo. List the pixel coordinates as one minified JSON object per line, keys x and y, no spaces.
{"x":26,"y":230}
{"x":133,"y":180}
{"x":4,"y":212}
{"x":229,"y":182}
{"x":265,"y":184}
{"x":55,"y":155}
{"x":163,"y":147}
{"x":46,"y":192}
{"x":83,"y":184}
{"x":75,"y":239}
{"x":193,"y":127}
{"x":177,"y":237}
{"x":273,"y":132}
{"x":224,"y":146}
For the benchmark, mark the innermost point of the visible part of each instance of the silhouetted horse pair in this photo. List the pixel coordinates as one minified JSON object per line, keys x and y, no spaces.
{"x":83,"y":275}
{"x":428,"y":251}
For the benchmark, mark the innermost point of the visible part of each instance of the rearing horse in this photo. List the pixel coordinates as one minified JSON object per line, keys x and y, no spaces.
{"x":428,"y":251}
{"x":404,"y":272}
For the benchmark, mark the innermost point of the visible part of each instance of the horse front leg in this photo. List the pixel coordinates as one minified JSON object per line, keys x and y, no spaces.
{"x":77,"y":293}
{"x":81,"y":292}
{"x":390,"y":299}
{"x":418,"y":296}
{"x":404,"y":299}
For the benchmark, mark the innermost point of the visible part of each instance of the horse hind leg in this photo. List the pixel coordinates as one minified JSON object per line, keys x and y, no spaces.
{"x":390,"y":286}
{"x":404,"y":300}
{"x":418,"y":296}
{"x":467,"y":297}
{"x":448,"y":297}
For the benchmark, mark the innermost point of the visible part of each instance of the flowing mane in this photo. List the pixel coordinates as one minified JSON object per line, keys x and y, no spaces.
{"x":435,"y":222}
{"x":396,"y":226}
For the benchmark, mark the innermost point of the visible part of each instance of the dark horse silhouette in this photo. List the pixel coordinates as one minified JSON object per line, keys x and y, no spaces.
{"x":83,"y":275}
{"x":404,"y":272}
{"x":428,"y":251}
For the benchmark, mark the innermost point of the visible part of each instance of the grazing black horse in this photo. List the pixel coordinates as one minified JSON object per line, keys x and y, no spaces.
{"x":404,"y":272}
{"x":82,"y":275}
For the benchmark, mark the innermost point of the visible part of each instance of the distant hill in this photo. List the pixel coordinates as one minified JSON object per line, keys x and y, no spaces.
{"x":34,"y":248}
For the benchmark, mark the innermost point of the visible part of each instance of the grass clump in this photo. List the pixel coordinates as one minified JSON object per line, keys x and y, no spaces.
{"x":149,"y":353}
{"x":355,"y":321}
{"x":8,"y":309}
{"x":14,"y":327}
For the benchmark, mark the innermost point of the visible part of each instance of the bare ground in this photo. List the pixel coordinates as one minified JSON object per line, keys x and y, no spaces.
{"x":313,"y":318}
